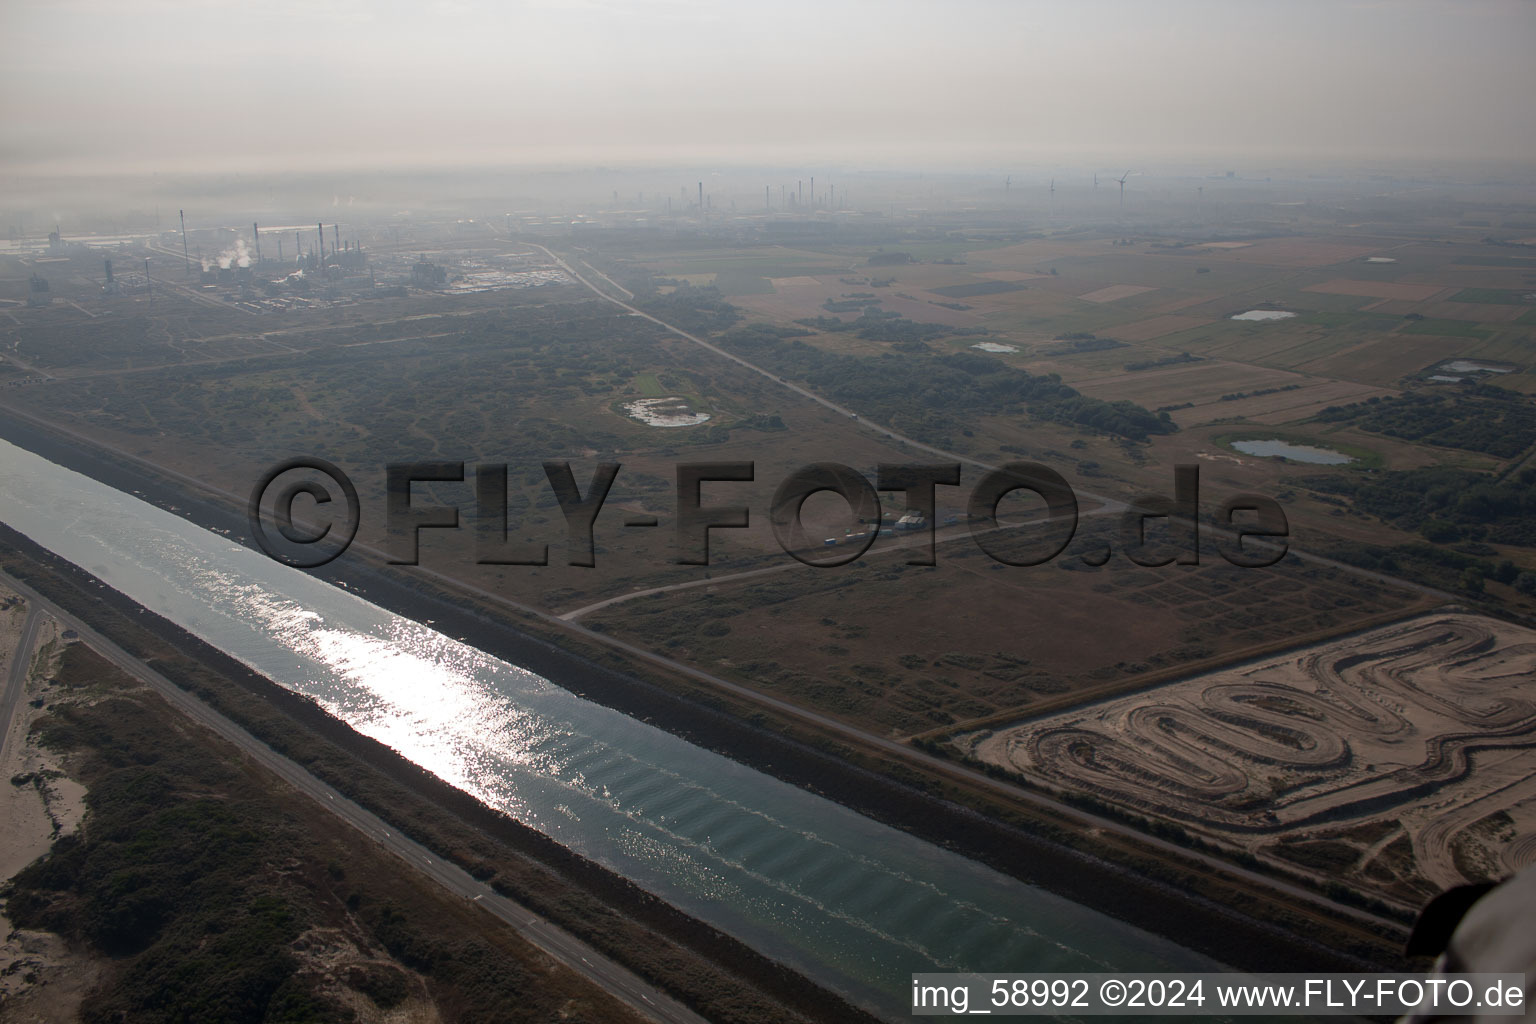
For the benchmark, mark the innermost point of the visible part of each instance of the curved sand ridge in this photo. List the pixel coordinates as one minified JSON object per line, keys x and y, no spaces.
{"x":1430,"y":722}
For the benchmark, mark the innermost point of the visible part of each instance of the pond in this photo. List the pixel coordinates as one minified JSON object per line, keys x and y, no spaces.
{"x":992,"y":346}
{"x":1467,"y":366}
{"x":1264,"y":314}
{"x":1275,"y":448}
{"x":665,"y":412}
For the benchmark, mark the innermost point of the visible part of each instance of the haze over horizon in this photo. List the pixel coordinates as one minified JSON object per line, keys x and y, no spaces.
{"x":182,"y":86}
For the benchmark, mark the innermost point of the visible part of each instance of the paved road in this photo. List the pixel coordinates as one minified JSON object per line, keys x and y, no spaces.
{"x":918,"y":538}
{"x":797,"y":389}
{"x":16,"y":680}
{"x":561,"y":945}
{"x":943,"y":765}
{"x":1109,"y":505}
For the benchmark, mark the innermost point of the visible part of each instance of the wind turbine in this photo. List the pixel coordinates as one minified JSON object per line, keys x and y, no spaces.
{"x":1121,"y":180}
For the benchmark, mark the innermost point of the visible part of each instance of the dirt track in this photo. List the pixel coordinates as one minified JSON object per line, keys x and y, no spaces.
{"x":1425,"y":728}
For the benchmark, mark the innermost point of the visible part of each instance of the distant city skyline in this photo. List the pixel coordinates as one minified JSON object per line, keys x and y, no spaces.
{"x":190,"y":85}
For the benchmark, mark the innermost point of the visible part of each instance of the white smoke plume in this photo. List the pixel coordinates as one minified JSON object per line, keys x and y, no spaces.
{"x":238,"y":255}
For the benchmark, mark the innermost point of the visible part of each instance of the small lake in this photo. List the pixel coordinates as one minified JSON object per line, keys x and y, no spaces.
{"x":992,"y":346}
{"x":1467,"y":366}
{"x":1264,"y":314}
{"x":1275,"y":448}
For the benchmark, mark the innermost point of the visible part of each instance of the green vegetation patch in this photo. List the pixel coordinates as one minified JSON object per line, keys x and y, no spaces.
{"x":1445,"y":505}
{"x":970,"y":291}
{"x":1448,"y":328}
{"x":1490,"y":260}
{"x":1495,"y":296}
{"x":175,"y":881}
{"x":1357,"y":321}
{"x":740,"y":281}
{"x":933,"y":396}
{"x":1484,"y":419}
{"x":1153,"y":364}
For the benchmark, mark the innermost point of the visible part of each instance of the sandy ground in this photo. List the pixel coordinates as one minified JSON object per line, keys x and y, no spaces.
{"x":332,"y":955}
{"x":1425,"y":729}
{"x":46,"y":804}
{"x":40,"y":979}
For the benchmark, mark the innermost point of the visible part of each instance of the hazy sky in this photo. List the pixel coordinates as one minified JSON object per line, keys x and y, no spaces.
{"x":165,"y":85}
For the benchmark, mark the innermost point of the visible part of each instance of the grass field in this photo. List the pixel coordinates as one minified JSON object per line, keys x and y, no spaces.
{"x":1496,"y":296}
{"x":907,"y":649}
{"x":1449,"y":328}
{"x":1382,"y":361}
{"x":737,"y":281}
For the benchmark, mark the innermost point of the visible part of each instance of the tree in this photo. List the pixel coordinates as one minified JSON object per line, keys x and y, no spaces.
{"x":1438,"y":531}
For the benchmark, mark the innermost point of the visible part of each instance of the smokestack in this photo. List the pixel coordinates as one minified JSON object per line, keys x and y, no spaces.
{"x":109,"y":271}
{"x":336,"y":235}
{"x":279,"y":250}
{"x":321,"y":229}
{"x":701,"y":197}
{"x":256,"y":239}
{"x":799,"y":192}
{"x":298,"y":247}
{"x":186,"y":259}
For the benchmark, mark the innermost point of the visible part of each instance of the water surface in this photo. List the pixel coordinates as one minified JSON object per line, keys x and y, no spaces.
{"x":1264,"y":314}
{"x":1295,"y":452}
{"x":855,"y":905}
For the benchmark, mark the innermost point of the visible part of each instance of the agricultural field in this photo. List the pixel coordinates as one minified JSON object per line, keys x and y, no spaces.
{"x":1371,"y":313}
